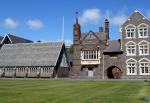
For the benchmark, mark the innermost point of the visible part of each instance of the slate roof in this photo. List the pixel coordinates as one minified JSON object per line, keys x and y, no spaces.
{"x":30,"y":54}
{"x":100,"y":35}
{"x":15,"y":39}
{"x":113,"y":46}
{"x":1,"y":38}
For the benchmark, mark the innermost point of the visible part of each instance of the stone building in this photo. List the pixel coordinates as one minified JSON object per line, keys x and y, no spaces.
{"x":96,"y":56}
{"x":20,"y":57}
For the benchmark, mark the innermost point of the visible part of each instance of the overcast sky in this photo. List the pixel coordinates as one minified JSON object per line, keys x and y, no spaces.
{"x":42,"y":19}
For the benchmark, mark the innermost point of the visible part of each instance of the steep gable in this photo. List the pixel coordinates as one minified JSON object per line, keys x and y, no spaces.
{"x":136,"y":18}
{"x":30,"y":54}
{"x":12,"y":39}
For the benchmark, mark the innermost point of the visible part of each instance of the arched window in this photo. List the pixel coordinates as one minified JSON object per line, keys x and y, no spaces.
{"x":131,"y":66}
{"x":130,"y":31}
{"x":143,"y":48}
{"x":144,"y":66}
{"x":131,"y":48}
{"x":143,"y":30}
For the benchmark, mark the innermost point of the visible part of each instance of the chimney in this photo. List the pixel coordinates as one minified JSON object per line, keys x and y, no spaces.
{"x":101,"y":29}
{"x":107,"y":28}
{"x":76,"y":29}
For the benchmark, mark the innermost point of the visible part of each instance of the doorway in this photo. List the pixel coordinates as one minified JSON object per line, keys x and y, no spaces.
{"x":90,"y":72}
{"x":114,"y":72}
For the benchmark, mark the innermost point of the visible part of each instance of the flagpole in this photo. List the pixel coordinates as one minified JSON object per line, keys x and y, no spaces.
{"x":63,"y":27}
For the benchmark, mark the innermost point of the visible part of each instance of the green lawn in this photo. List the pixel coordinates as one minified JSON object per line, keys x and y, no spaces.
{"x":71,"y":91}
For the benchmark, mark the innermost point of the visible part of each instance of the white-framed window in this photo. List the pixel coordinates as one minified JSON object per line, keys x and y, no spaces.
{"x":90,"y":55}
{"x":143,"y":48}
{"x":131,"y":67}
{"x":143,"y":30}
{"x":144,"y":65}
{"x":130,"y":33}
{"x":144,"y":68}
{"x":131,"y":48}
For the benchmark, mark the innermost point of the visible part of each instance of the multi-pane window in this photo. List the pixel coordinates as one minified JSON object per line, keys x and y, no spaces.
{"x":143,"y":49}
{"x":143,"y":32}
{"x":130,"y":33}
{"x":131,"y":68}
{"x":144,"y":68}
{"x":131,"y":49}
{"x":90,"y":54}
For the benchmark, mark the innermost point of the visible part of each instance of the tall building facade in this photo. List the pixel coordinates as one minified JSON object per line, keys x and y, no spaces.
{"x":96,"y":56}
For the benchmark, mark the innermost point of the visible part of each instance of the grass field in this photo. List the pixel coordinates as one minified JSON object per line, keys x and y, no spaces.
{"x":71,"y":91}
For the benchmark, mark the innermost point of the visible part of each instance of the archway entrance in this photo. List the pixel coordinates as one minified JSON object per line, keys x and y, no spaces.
{"x":114,"y":72}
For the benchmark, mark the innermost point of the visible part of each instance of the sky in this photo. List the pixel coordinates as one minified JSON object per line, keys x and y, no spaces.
{"x":43,"y":19}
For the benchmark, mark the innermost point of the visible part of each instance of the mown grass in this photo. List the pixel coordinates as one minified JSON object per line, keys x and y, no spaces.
{"x":71,"y":91}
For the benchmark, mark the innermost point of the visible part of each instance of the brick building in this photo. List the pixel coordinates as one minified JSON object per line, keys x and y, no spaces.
{"x":96,"y":56}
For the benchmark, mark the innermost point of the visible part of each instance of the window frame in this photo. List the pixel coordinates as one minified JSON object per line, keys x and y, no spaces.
{"x":131,"y":67}
{"x":90,"y":55}
{"x":143,"y":26}
{"x":142,"y":45}
{"x":144,"y":67}
{"x":127,"y":45}
{"x":130,"y":33}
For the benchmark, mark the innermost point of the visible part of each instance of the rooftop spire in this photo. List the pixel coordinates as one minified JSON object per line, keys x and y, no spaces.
{"x":77,"y":17}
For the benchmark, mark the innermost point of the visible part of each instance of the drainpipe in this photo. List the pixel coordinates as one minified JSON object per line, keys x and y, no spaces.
{"x":103,"y":66}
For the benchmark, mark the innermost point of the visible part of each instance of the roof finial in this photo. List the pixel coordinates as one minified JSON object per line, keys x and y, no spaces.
{"x":77,"y":17}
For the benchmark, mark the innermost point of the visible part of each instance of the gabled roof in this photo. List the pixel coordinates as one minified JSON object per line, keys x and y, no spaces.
{"x":15,"y":39}
{"x":113,"y":46}
{"x":100,"y":35}
{"x":1,"y":38}
{"x":136,"y":15}
{"x":30,"y":54}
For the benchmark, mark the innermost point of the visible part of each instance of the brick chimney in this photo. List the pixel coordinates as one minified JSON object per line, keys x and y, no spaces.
{"x":76,"y":30}
{"x":107,"y":28}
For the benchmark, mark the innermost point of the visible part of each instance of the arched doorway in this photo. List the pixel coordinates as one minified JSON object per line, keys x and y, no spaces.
{"x":114,"y":72}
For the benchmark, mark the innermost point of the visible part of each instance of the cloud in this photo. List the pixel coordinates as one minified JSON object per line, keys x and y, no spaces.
{"x":90,"y":16}
{"x":118,"y":20}
{"x":10,"y":23}
{"x":68,"y":42}
{"x":35,"y":24}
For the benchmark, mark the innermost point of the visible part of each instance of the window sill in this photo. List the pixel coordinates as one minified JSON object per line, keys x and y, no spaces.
{"x":132,"y":74}
{"x":143,"y":37}
{"x":130,"y":54}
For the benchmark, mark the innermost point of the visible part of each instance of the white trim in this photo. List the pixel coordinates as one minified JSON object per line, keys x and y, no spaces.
{"x":5,"y":37}
{"x":127,"y":48}
{"x":142,"y":24}
{"x":140,"y":69}
{"x":143,"y":16}
{"x":131,"y":59}
{"x":135,"y":66}
{"x":133,"y":26}
{"x":143,"y":41}
{"x":130,"y":31}
{"x":145,"y":27}
{"x":130,"y":42}
{"x":120,"y":30}
{"x":144,"y":59}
